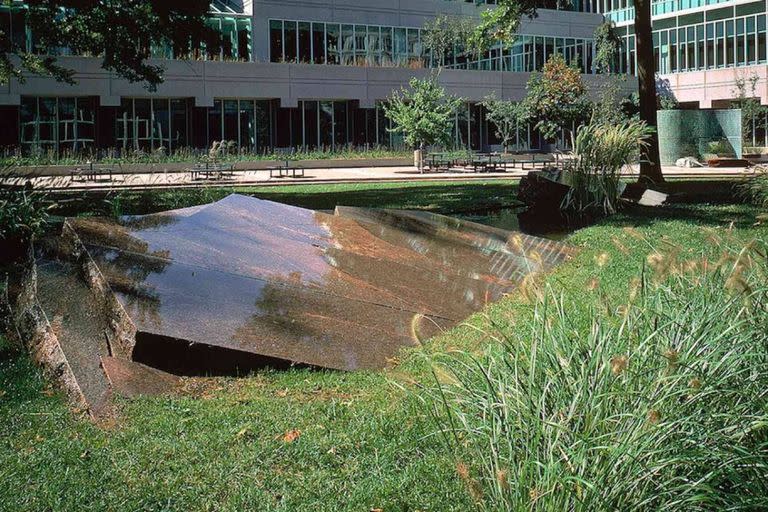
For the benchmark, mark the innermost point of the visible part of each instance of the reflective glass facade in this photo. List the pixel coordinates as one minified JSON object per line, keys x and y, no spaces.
{"x":378,"y":46}
{"x":150,"y":124}
{"x":721,"y":38}
{"x":57,"y":124}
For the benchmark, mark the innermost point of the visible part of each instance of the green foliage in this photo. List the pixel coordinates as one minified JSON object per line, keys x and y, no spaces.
{"x":424,"y":113}
{"x":600,"y":153}
{"x":754,"y":188}
{"x":502,"y":22}
{"x":509,"y":118}
{"x":652,"y":401}
{"x":748,"y":101}
{"x":446,"y":33}
{"x":556,"y":98}
{"x":23,"y":212}
{"x":608,"y":109}
{"x":191,"y":155}
{"x":608,"y":46}
{"x":721,"y":147}
{"x":122,"y":33}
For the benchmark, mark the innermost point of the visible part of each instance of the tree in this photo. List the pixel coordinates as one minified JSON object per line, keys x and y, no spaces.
{"x":607,"y":48}
{"x":608,"y":108}
{"x":503,"y":22}
{"x":446,"y":33}
{"x":746,"y":100}
{"x":507,"y":117}
{"x":557,"y":97}
{"x":122,"y":33}
{"x":424,"y":113}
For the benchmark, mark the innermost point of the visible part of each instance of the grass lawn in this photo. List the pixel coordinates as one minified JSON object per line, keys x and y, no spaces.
{"x":307,"y":440}
{"x":439,"y":197}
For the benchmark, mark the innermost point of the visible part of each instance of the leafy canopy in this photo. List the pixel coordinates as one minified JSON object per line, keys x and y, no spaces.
{"x":446,"y":33}
{"x":607,"y":48}
{"x":121,"y":32}
{"x":557,"y":97}
{"x":502,"y":22}
{"x":423,"y":113}
{"x":508,"y":117}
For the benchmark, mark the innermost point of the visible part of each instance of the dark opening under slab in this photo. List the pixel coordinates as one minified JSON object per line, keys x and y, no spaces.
{"x":180,"y":357}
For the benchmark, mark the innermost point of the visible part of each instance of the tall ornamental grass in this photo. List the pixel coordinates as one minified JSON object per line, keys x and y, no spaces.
{"x":600,"y":153}
{"x":754,"y":188}
{"x":657,"y":404}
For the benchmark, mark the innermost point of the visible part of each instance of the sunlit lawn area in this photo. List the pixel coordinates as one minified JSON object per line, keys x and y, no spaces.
{"x":303,"y":439}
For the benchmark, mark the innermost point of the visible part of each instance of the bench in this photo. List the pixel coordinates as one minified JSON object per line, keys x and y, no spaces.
{"x":284,"y":171}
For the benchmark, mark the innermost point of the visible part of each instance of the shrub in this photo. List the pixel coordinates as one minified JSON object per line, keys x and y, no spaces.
{"x":660,"y":405}
{"x":23,"y":213}
{"x":600,"y":153}
{"x":755,"y":188}
{"x":721,"y":147}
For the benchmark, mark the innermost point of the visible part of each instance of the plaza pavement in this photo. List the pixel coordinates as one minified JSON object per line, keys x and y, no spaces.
{"x":334,"y":175}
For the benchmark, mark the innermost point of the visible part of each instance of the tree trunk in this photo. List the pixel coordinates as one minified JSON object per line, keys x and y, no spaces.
{"x":650,"y":166}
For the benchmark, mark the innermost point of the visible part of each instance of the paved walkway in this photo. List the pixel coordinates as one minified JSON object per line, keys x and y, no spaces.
{"x":338,"y":175}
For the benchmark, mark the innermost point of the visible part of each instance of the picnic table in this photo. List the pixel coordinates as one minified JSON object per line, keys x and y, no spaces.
{"x":212,"y":171}
{"x":286,"y":169}
{"x":90,"y":173}
{"x":440,"y":161}
{"x":487,"y":162}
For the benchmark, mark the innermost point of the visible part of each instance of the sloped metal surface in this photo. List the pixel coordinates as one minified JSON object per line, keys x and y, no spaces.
{"x":344,"y":290}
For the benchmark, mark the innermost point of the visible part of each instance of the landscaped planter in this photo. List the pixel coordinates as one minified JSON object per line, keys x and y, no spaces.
{"x":177,"y":167}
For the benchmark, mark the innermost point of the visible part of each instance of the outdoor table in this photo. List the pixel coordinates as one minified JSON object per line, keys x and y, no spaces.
{"x":285,"y":170}
{"x":212,"y":171}
{"x":483,"y":163}
{"x":89,"y":173}
{"x":438,"y":161}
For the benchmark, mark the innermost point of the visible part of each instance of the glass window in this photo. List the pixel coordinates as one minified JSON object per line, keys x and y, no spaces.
{"x":741,"y":48}
{"x":179,"y":124}
{"x":347,"y":45}
{"x":326,"y":124}
{"x":276,"y":41}
{"x":310,"y":122}
{"x":247,"y":126}
{"x":401,"y":46}
{"x":332,"y":32}
{"x":386,"y":47}
{"x":340,"y":124}
{"x":263,"y":123}
{"x":161,"y":124}
{"x":730,"y":43}
{"x":243,"y":39}
{"x":305,"y":42}
{"x":361,"y":43}
{"x":231,"y":122}
{"x":215,"y":123}
{"x":318,"y":43}
{"x":290,"y":41}
{"x":414,"y":46}
{"x":373,"y":49}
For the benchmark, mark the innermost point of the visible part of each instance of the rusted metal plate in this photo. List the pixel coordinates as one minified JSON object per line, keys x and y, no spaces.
{"x":345,"y":290}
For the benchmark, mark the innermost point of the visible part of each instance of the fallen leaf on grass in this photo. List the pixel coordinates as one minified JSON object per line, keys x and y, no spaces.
{"x":291,"y":436}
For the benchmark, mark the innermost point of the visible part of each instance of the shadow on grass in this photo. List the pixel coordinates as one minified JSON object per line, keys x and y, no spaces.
{"x":723,"y":214}
{"x":448,"y":197}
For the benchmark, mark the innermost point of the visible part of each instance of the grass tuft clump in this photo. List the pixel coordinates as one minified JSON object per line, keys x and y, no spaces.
{"x":663,"y":404}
